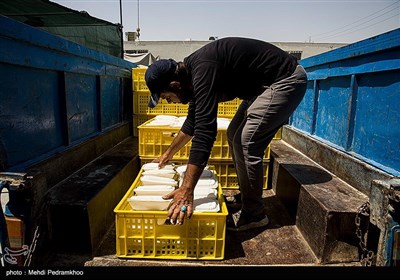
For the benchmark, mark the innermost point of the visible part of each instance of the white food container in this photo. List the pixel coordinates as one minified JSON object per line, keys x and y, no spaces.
{"x":148,"y":203}
{"x":205,"y":192}
{"x":155,"y":180}
{"x":167,"y":173}
{"x":154,"y":190}
{"x":205,"y":204}
{"x":154,"y":165}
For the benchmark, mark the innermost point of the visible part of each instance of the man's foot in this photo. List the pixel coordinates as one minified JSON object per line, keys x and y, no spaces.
{"x":241,"y":221}
{"x":234,"y":201}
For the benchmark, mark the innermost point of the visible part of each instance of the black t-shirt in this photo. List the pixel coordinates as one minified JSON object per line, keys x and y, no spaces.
{"x":221,"y":71}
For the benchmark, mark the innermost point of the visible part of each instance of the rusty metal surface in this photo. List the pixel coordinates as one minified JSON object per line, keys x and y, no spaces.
{"x":84,"y":184}
{"x":356,"y":173}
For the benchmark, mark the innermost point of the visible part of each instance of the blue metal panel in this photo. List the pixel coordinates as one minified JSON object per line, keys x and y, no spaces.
{"x":303,"y":117}
{"x":377,"y":121}
{"x":373,"y":45}
{"x":111,"y":102}
{"x":54,"y":94}
{"x":384,"y":61}
{"x":357,"y":100}
{"x":22,"y":44}
{"x":29,"y":119}
{"x":333,"y":109}
{"x":81,"y":105}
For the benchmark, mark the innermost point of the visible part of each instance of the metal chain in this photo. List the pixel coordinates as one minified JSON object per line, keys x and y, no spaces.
{"x":366,"y":255}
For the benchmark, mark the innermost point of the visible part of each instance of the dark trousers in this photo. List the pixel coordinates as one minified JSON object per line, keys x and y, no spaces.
{"x":252,"y":129}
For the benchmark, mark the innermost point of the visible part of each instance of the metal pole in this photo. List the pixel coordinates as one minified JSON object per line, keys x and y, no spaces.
{"x":121,"y":29}
{"x":138,"y":26}
{"x":120,"y":11}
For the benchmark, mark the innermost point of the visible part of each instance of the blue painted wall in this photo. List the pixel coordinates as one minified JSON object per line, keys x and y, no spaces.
{"x":55,"y":93}
{"x":353,"y":100}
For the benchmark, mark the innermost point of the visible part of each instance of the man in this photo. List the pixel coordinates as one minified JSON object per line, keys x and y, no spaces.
{"x":271,"y":84}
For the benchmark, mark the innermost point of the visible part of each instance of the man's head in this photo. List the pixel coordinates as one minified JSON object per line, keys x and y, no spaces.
{"x":158,"y":77}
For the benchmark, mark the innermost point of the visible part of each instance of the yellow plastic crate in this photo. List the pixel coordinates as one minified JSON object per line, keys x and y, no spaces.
{"x":138,"y":82}
{"x":278,"y":134}
{"x":225,"y":171}
{"x":140,"y":106}
{"x":142,"y":94}
{"x":227,"y":176}
{"x":228,"y":109}
{"x":138,"y":120}
{"x":141,"y":99}
{"x":144,"y":234}
{"x":154,"y":140}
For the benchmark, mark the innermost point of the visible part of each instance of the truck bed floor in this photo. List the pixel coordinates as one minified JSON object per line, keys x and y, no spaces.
{"x":279,"y":243}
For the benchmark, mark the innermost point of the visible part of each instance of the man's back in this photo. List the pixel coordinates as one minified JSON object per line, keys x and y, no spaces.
{"x":241,"y":65}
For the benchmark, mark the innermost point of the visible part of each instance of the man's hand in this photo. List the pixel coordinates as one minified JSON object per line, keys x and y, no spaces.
{"x":162,"y":160}
{"x":182,"y":205}
{"x":182,"y":198}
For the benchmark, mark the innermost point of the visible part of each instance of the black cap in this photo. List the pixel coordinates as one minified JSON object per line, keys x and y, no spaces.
{"x":158,"y":76}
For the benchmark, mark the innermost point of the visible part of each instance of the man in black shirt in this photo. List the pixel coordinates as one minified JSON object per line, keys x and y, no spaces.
{"x":271,"y":84}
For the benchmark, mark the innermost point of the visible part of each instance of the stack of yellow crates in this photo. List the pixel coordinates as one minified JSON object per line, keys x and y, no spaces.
{"x":146,"y":234}
{"x":153,"y":140}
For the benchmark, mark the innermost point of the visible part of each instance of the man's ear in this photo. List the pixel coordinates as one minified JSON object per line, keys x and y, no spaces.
{"x":175,"y":85}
